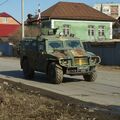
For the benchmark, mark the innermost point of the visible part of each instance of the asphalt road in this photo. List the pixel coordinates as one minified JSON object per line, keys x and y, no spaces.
{"x":105,"y":90}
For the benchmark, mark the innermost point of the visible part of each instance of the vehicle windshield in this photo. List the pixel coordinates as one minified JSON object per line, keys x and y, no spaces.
{"x":66,"y":44}
{"x":71,"y":44}
{"x":55,"y":44}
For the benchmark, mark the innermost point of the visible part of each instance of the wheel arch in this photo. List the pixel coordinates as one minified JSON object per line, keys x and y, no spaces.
{"x":48,"y":63}
{"x":57,"y":62}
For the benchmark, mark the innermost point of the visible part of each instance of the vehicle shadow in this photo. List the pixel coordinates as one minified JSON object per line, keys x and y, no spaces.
{"x":71,"y":79}
{"x":39,"y":77}
{"x":12,"y":73}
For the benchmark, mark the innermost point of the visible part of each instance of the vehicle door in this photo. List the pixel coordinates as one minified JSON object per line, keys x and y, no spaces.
{"x":33,"y":52}
{"x":41,"y":56}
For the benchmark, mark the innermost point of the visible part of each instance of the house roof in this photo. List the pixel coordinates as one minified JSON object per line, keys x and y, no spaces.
{"x":7,"y":30}
{"x":74,"y":11}
{"x":4,"y":14}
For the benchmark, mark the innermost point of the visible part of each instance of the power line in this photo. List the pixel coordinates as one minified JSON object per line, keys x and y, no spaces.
{"x":2,"y":3}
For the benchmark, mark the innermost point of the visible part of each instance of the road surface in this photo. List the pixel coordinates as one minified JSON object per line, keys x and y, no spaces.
{"x":105,"y":90}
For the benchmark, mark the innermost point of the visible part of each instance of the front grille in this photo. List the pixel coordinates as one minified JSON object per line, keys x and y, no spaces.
{"x":81,"y":61}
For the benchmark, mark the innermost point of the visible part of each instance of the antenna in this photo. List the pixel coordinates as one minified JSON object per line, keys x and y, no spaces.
{"x":38,"y":6}
{"x":39,"y":11}
{"x":101,"y":8}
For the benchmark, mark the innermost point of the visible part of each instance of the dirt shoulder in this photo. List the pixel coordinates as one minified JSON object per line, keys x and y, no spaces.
{"x":109,"y":68}
{"x":18,"y":102}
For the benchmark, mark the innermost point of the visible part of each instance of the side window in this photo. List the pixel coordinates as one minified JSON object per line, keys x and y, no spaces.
{"x":29,"y":44}
{"x":91,"y":30}
{"x":101,"y":31}
{"x":41,"y":46}
{"x":25,"y":44}
{"x":66,"y":29}
{"x":5,"y":20}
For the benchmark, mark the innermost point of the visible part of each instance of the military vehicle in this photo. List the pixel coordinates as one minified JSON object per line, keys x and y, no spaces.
{"x":57,"y":55}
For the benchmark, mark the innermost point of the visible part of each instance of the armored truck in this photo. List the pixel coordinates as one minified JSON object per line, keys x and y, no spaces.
{"x":57,"y":55}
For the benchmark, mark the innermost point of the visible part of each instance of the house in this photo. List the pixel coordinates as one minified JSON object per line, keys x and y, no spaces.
{"x":8,"y":26}
{"x":111,"y":9}
{"x":79,"y":19}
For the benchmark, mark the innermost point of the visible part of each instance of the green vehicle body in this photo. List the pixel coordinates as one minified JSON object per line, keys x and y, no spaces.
{"x":57,"y":55}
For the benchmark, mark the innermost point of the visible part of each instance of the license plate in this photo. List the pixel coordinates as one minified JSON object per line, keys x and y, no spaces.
{"x":82,"y":70}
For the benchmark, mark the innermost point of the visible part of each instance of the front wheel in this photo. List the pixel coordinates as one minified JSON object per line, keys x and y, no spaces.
{"x":27,"y":70}
{"x":91,"y":77}
{"x":55,"y":73}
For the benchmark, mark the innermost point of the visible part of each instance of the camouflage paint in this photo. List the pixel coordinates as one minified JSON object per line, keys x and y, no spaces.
{"x":68,"y":53}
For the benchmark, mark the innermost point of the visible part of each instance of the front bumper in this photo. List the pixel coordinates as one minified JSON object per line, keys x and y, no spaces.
{"x":80,"y":70}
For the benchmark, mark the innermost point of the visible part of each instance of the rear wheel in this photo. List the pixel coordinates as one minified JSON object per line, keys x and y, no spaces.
{"x":91,"y":77}
{"x":55,"y":73}
{"x":28,"y":71}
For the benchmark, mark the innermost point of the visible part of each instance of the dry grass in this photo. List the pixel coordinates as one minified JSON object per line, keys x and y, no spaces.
{"x":19,"y":103}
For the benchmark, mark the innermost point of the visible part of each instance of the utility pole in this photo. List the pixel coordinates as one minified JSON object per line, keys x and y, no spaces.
{"x":22,"y":14}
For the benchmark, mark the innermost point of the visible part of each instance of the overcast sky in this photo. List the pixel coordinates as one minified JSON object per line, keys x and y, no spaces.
{"x":13,"y":7}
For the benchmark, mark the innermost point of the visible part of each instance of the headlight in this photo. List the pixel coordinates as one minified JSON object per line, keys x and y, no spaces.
{"x":64,"y":62}
{"x":96,"y":59}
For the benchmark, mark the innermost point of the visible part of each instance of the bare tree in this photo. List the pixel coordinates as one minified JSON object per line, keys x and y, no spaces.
{"x":30,"y":31}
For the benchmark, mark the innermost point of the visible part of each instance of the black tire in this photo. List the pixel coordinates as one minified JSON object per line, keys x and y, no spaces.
{"x":27,"y":70}
{"x":90,"y":78}
{"x":55,"y":73}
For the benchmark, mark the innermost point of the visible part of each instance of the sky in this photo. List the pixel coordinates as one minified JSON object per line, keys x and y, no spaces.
{"x":13,"y":7}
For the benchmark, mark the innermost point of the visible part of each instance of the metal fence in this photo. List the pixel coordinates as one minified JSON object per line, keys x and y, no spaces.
{"x":108,"y":51}
{"x":6,"y":49}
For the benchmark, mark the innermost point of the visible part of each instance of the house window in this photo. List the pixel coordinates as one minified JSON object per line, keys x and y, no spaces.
{"x":4,"y":20}
{"x":101,"y":31}
{"x":66,"y":29}
{"x":91,"y":30}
